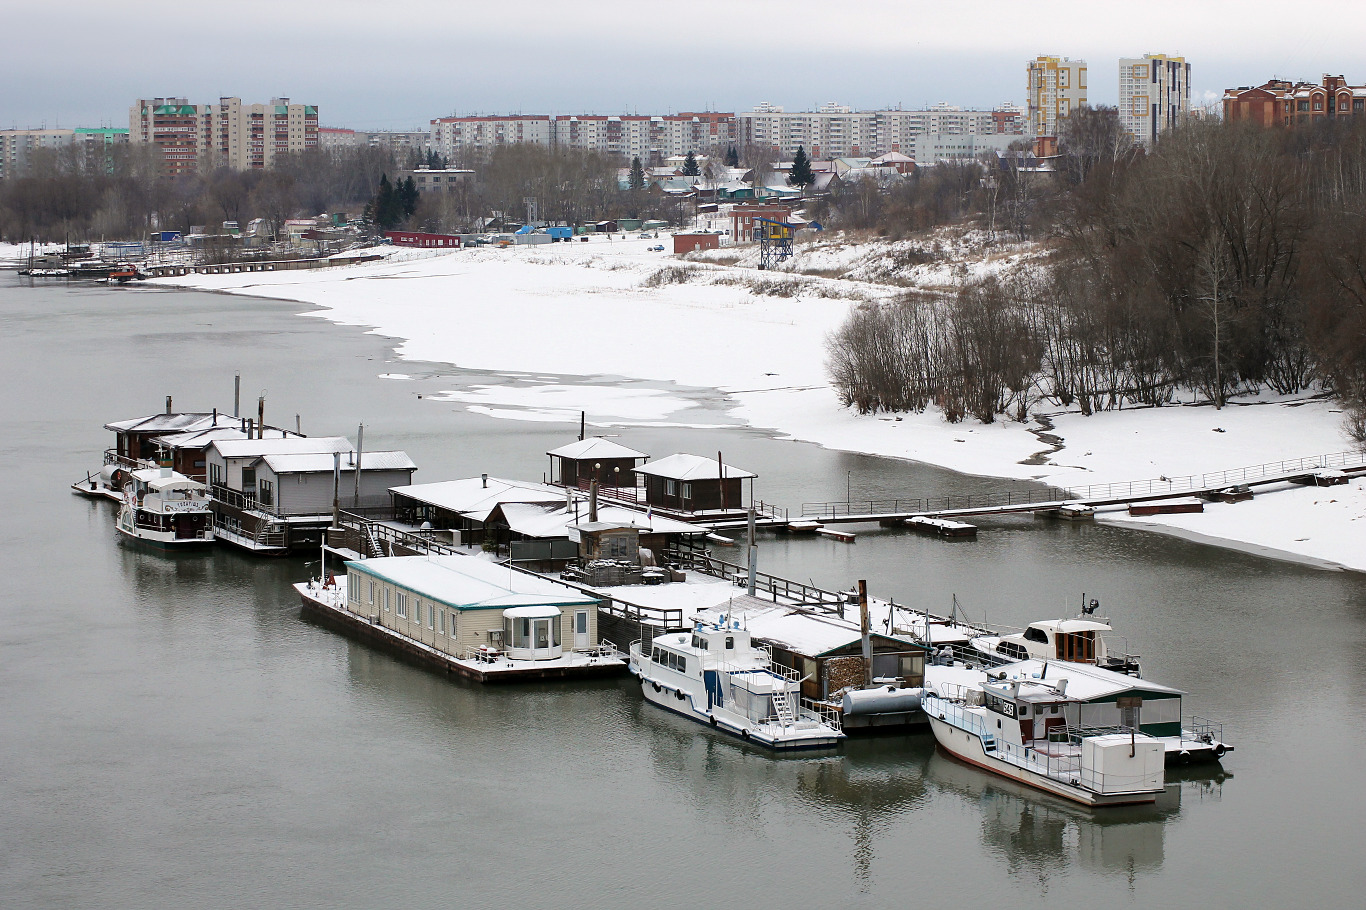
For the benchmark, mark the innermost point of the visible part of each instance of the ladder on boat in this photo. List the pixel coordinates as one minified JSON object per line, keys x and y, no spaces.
{"x":783,"y":707}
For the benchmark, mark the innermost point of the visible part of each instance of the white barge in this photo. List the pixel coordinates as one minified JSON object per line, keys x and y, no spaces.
{"x":715,"y":675}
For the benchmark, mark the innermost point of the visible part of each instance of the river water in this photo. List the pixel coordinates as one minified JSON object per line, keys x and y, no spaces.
{"x":172,"y":734}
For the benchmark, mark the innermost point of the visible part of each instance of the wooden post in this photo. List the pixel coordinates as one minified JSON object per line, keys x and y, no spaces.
{"x":865,"y":631}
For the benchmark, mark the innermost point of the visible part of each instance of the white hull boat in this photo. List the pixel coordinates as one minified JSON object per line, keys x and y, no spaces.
{"x":165,"y":509}
{"x":715,"y":676}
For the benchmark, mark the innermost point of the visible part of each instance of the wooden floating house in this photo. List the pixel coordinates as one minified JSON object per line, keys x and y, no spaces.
{"x":460,"y":509}
{"x":696,"y":486}
{"x":466,"y":616}
{"x":271,"y":496}
{"x":547,"y":538}
{"x":609,"y":463}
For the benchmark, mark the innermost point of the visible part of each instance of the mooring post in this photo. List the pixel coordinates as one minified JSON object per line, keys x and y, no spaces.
{"x":865,"y":631}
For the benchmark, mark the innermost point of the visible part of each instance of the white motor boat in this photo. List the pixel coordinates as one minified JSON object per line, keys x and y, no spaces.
{"x":1025,"y":729}
{"x":716,"y":676}
{"x":165,"y":509}
{"x":1086,"y":639}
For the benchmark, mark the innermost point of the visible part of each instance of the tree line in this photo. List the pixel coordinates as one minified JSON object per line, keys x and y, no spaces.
{"x":1229,"y":259}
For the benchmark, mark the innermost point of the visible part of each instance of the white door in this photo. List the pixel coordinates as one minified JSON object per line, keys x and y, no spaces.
{"x":581,"y":630}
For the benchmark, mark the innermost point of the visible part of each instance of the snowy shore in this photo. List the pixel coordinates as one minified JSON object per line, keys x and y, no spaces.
{"x":616,"y":309}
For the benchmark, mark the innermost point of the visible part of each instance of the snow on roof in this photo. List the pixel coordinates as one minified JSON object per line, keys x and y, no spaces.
{"x":690,"y":467}
{"x":546,"y":521}
{"x":471,"y":497}
{"x":1085,"y":682}
{"x":469,"y":583}
{"x":171,"y":480}
{"x":595,"y":447}
{"x":198,"y":439}
{"x":293,"y":445}
{"x":166,"y":423}
{"x":322,"y":462}
{"x":1073,"y":625}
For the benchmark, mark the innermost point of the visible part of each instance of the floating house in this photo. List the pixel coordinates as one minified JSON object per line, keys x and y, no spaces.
{"x":693,"y":484}
{"x":545,"y":537}
{"x":276,"y":495}
{"x":462,"y":507}
{"x":610,"y":463}
{"x":466,"y":616}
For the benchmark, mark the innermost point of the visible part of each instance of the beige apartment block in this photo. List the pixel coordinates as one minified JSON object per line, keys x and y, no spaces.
{"x":201,"y":137}
{"x":1057,"y":87}
{"x":1154,"y":94}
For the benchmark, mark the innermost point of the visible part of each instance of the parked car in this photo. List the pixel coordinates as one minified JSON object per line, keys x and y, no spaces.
{"x":657,"y":248}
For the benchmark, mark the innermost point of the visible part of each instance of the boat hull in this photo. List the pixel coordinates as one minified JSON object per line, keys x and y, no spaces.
{"x":164,"y":540}
{"x":684,"y":704}
{"x":968,"y":747}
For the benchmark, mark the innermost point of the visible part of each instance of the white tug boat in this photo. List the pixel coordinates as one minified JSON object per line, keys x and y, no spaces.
{"x":1086,"y":639}
{"x":1025,"y":728}
{"x":716,"y":676}
{"x":165,"y":509}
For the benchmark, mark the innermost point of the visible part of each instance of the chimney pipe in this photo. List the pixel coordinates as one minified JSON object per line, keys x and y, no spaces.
{"x":261,"y":417}
{"x":236,"y":394}
{"x":360,"y":454}
{"x":168,"y":404}
{"x":485,"y":479}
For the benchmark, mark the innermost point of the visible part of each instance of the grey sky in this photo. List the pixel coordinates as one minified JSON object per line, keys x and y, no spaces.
{"x":398,"y":64}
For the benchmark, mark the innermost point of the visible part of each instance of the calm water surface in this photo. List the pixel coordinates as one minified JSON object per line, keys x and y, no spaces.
{"x":172,"y":734}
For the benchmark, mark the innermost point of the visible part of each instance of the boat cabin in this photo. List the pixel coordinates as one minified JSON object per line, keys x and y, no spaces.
{"x":691,"y":483}
{"x":1071,"y":640}
{"x":609,"y":463}
{"x":1037,"y":692}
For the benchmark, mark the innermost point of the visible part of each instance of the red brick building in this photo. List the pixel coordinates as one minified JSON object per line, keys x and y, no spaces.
{"x":1283,"y":103}
{"x":742,"y":219}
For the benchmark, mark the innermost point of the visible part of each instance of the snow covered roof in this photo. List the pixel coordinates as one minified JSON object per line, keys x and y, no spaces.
{"x":292,"y":445}
{"x":595,"y":447}
{"x":547,"y":521}
{"x":320,"y":462}
{"x":198,"y":439}
{"x":169,"y":480}
{"x":473,"y":498}
{"x":167,"y":423}
{"x":1085,"y":682}
{"x":690,"y":467}
{"x":893,"y":158}
{"x":469,"y":583}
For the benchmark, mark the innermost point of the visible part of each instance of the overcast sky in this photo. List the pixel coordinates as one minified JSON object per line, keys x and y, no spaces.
{"x":398,"y":64}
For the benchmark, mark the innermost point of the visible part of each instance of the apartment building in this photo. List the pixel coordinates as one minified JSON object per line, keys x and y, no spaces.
{"x":17,"y":146}
{"x":836,"y":131}
{"x":1283,"y":103}
{"x":647,"y":136}
{"x":1056,"y":87}
{"x":1154,"y":94}
{"x":201,"y":137}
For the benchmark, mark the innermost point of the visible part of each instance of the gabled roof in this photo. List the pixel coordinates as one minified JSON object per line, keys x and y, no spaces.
{"x":322,"y":462}
{"x":547,"y":521}
{"x":595,"y":447}
{"x":169,"y":423}
{"x":292,"y":445}
{"x":199,"y":439}
{"x":690,"y":467}
{"x":470,"y":583}
{"x":472,"y":498}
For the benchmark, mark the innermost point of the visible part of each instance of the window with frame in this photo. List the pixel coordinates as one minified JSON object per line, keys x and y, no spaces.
{"x":401,"y":602}
{"x":215,"y":474}
{"x":670,"y":488}
{"x":267,"y":494}
{"x":372,"y":591}
{"x":687,"y":491}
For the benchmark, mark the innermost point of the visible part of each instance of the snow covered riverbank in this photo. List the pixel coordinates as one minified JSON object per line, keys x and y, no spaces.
{"x":616,"y":309}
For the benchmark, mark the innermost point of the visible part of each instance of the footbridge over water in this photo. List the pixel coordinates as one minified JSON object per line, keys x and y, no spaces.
{"x":1318,"y":469}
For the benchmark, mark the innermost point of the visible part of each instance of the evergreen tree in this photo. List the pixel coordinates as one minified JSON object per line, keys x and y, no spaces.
{"x":732,"y":157}
{"x":385,"y":208}
{"x":690,"y":168}
{"x":801,"y":175}
{"x":637,"y":181}
{"x":407,"y":193}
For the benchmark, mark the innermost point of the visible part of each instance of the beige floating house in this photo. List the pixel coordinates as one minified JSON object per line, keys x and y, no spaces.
{"x":469,"y":616}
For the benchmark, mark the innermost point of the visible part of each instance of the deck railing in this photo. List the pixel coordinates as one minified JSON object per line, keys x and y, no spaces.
{"x":795,"y":592}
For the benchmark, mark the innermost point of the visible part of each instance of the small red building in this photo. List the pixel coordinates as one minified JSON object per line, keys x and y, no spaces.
{"x":417,"y":238}
{"x":691,"y":243}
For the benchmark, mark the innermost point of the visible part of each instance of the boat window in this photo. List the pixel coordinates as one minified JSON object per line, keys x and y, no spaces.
{"x":698,"y":643}
{"x":1053,"y":709}
{"x":654,"y":655}
{"x":682,"y":664}
{"x":1024,"y":710}
{"x":1033,"y":633}
{"x":730,"y":643}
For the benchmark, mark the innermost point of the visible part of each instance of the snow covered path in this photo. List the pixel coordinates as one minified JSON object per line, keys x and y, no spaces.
{"x":596,"y":309}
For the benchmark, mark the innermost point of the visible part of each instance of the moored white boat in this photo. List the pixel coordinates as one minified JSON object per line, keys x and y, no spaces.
{"x":1085,"y":639}
{"x":1025,"y":731}
{"x":716,"y":676}
{"x":166,"y":509}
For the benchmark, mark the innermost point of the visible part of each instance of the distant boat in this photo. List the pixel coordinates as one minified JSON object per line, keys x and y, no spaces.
{"x":165,"y":509}
{"x":716,"y":676}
